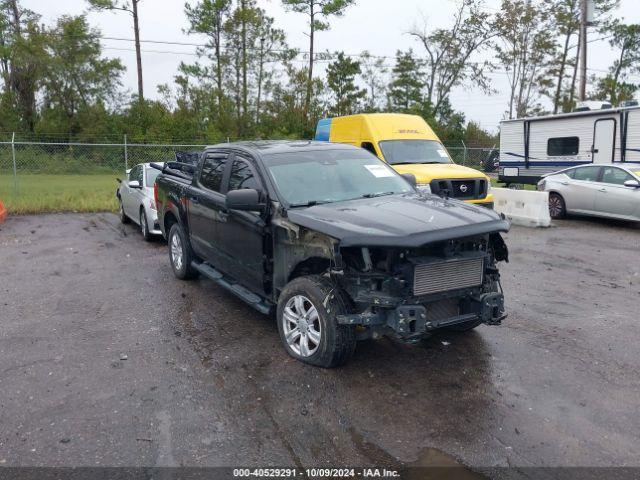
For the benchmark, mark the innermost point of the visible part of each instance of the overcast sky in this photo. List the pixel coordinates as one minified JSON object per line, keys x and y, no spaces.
{"x":378,"y":26}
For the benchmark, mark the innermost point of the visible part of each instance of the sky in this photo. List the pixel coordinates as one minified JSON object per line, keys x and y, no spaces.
{"x":378,"y":26}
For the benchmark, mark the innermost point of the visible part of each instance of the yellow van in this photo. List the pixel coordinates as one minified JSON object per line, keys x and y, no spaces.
{"x":409,"y":145}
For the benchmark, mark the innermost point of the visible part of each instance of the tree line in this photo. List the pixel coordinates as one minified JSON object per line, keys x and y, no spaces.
{"x":248,"y":82}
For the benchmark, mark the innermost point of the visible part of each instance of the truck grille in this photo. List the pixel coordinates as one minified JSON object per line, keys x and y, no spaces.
{"x":471,"y":189}
{"x":439,"y":277}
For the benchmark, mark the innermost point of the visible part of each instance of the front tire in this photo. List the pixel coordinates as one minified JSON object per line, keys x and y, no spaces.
{"x":307,"y":321}
{"x":557,"y":207}
{"x":180,"y":254}
{"x":144,"y":226}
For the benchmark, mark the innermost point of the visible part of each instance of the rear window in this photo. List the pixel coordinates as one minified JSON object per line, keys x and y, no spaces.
{"x":563,"y":146}
{"x":152,"y":174}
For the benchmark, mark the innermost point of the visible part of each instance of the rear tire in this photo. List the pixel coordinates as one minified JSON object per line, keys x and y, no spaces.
{"x":557,"y":207}
{"x":180,"y":253}
{"x":144,"y":226}
{"x":307,"y":321}
{"x":123,"y":216}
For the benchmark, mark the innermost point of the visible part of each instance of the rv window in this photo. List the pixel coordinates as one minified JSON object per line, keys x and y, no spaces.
{"x":562,"y":146}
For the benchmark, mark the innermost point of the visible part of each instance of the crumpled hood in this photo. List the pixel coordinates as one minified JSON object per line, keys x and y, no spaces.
{"x":400,"y":220}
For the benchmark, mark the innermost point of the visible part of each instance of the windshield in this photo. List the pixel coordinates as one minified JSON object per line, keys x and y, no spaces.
{"x":397,"y":152}
{"x":310,"y":177}
{"x":152,"y":174}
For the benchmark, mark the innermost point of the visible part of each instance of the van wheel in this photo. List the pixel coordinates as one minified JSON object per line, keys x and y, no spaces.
{"x":307,"y":321}
{"x":180,"y":253}
{"x":557,"y":207}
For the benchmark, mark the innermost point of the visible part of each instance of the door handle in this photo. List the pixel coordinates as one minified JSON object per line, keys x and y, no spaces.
{"x":194,"y":199}
{"x":564,"y":183}
{"x":223,"y":215}
{"x":603,"y":190}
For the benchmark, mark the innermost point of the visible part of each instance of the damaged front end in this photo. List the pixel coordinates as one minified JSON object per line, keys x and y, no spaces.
{"x":413,"y":291}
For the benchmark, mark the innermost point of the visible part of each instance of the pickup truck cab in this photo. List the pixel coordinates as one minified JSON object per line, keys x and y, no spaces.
{"x":334,"y":241}
{"x":409,"y":145}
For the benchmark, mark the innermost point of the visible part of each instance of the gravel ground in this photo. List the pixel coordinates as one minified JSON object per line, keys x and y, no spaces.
{"x":107,"y":360}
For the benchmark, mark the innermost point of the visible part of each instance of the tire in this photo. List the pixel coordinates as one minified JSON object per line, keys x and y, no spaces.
{"x":317,"y":302}
{"x":557,"y":207}
{"x":180,"y":253}
{"x":144,"y":226}
{"x":123,"y":216}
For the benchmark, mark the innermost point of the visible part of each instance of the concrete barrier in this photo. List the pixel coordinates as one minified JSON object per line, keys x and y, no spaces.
{"x":523,"y":207}
{"x":3,"y":213}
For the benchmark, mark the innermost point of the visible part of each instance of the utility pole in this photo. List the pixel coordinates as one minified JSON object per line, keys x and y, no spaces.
{"x":583,"y":51}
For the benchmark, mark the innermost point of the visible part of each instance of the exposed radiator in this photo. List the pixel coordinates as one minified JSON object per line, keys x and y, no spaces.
{"x":439,"y":277}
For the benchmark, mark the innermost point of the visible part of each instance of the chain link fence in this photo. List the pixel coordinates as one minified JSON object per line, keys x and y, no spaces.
{"x":55,"y":175}
{"x":483,"y":159}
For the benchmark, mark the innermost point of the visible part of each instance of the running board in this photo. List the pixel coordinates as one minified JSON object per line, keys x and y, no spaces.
{"x":238,"y":290}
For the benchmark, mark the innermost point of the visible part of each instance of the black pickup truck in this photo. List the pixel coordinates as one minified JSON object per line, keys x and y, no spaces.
{"x":334,"y":241}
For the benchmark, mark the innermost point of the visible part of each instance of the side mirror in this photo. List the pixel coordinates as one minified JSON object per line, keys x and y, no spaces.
{"x":134,"y":184}
{"x":411,"y":178}
{"x":632,"y":184}
{"x":246,"y":199}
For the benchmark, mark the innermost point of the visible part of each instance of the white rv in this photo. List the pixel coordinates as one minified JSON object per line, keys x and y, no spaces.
{"x":532,"y":147}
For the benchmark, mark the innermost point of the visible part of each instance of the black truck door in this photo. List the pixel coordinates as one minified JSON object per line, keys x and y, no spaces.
{"x":205,"y":204}
{"x":240,"y":234}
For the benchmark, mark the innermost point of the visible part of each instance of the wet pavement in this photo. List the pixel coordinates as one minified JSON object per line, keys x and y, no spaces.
{"x":107,"y":359}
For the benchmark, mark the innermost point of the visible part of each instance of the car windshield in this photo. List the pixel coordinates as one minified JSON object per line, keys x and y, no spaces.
{"x":152,"y":174}
{"x":326,"y":176}
{"x":397,"y":152}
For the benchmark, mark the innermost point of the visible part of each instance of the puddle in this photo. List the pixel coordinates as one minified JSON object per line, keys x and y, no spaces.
{"x":432,"y":464}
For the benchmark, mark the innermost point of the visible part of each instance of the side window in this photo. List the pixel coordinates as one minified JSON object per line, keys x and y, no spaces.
{"x":368,"y":146}
{"x":136,"y":174}
{"x":588,"y":174}
{"x":242,"y":176}
{"x":571,"y":173}
{"x":614,"y":175}
{"x":212,"y":171}
{"x":562,"y":146}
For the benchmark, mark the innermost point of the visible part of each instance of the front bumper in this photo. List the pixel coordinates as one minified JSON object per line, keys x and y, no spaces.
{"x":415,"y":320}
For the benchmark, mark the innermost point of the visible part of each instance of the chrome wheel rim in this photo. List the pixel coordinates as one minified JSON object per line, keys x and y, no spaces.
{"x":121,"y":210}
{"x":301,"y":326}
{"x":555,"y":207}
{"x":176,"y":251}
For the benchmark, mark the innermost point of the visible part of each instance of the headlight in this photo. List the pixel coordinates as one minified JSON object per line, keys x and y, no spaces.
{"x":541,"y":185}
{"x":424,"y":187}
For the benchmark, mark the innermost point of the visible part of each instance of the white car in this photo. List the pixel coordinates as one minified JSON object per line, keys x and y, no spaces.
{"x":599,"y":190}
{"x":136,"y":199}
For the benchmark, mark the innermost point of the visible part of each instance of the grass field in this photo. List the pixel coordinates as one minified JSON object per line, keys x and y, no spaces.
{"x":59,"y":193}
{"x":39,"y":193}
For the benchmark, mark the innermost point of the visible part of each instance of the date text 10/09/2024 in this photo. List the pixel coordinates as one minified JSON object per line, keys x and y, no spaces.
{"x":315,"y":473}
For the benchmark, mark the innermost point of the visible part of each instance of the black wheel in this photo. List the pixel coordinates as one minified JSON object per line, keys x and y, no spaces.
{"x":307,"y":311}
{"x":180,"y":253}
{"x":144,"y":226}
{"x":557,"y":207}
{"x":123,"y":216}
